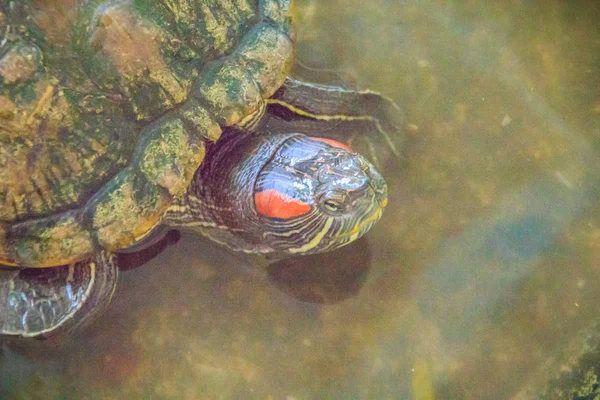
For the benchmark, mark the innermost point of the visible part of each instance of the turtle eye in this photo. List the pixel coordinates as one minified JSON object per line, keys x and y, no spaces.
{"x":332,"y":205}
{"x":333,"y":202}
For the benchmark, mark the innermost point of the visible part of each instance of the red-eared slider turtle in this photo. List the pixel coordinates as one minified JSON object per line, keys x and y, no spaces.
{"x":107,"y":109}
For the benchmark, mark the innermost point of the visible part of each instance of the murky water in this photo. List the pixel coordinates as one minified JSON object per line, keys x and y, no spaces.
{"x":481,"y":281}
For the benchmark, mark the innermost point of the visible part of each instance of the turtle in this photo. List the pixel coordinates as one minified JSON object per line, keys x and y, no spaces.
{"x":119,"y":117}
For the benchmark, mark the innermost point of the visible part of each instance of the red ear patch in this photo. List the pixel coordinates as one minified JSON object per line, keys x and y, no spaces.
{"x":273,"y":204}
{"x":333,"y":143}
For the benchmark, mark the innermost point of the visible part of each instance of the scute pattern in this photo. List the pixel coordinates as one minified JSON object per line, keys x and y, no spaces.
{"x":105,"y":106}
{"x":69,"y":117}
{"x":52,"y":156}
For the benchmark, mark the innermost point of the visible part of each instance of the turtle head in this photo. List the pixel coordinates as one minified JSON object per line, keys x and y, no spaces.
{"x":281,"y":194}
{"x":315,"y":195}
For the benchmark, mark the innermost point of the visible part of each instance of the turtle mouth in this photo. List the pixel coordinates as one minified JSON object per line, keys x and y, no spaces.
{"x":365,"y":225}
{"x":378,"y":186}
{"x":380,"y":190}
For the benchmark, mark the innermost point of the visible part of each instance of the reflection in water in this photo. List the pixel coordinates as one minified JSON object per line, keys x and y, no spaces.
{"x":487,"y":261}
{"x":481,"y":280}
{"x":133,"y":259}
{"x":324,"y":278}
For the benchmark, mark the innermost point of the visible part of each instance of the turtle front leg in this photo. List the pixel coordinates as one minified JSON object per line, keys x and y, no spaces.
{"x":367,"y":121}
{"x":42,"y":302}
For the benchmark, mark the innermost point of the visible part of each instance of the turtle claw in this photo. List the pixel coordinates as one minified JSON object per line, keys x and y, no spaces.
{"x":40,"y":302}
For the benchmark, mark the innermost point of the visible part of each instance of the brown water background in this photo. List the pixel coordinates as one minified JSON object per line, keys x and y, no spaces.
{"x":483,"y":278}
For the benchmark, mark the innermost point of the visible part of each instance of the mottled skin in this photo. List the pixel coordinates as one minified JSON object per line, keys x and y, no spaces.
{"x":107,"y":109}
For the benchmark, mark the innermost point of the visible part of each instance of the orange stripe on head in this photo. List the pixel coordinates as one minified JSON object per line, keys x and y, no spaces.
{"x":273,"y":204}
{"x":333,"y":143}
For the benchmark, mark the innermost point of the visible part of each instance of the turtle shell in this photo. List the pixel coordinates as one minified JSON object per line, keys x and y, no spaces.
{"x":105,"y":107}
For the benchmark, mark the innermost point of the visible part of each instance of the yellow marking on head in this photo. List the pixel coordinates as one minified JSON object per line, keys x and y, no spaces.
{"x":316,"y":240}
{"x":360,"y":225}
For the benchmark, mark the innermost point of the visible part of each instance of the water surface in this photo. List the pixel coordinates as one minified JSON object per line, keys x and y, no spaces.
{"x":481,"y":281}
